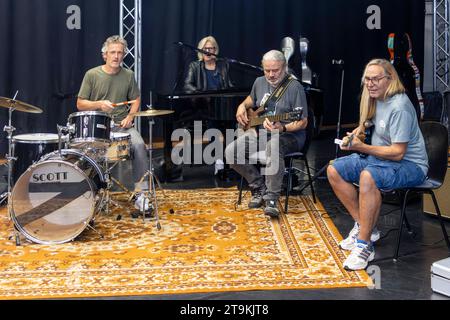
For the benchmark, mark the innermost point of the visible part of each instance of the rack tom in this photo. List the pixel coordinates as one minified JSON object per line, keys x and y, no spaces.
{"x":89,"y":129}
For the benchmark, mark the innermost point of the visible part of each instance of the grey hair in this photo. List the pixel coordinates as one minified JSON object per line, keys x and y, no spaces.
{"x":115,"y":39}
{"x":203,"y":42}
{"x":274,"y":55}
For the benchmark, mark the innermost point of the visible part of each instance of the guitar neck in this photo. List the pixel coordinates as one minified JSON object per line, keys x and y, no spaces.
{"x":260,"y":120}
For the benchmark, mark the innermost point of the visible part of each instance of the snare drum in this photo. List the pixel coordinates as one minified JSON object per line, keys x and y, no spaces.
{"x":120,"y":147}
{"x":29,"y":148}
{"x":90,"y":129}
{"x":56,"y":198}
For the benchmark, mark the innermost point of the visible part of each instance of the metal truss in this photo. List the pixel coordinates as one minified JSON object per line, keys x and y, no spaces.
{"x":441,"y":16}
{"x":131,"y":30}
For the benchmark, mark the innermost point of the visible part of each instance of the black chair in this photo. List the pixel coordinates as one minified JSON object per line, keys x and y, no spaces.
{"x":289,"y":158}
{"x":436,"y":142}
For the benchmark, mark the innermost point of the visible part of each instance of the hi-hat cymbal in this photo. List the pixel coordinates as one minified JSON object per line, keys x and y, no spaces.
{"x":18,"y":105}
{"x":152,"y":113}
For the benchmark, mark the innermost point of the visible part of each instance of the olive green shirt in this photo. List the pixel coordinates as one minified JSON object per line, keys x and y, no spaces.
{"x":99,"y":85}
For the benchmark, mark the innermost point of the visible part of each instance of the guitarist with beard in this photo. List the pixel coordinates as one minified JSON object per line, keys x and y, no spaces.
{"x":281,"y":98}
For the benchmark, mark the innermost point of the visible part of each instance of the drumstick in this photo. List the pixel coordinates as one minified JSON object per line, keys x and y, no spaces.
{"x":123,"y":103}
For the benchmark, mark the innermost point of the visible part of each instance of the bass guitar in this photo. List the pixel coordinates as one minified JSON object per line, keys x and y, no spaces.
{"x":255,"y":118}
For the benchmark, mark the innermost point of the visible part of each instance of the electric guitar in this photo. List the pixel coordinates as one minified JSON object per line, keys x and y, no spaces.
{"x":255,"y":119}
{"x":405,"y":44}
{"x":368,"y":131}
{"x":411,"y":62}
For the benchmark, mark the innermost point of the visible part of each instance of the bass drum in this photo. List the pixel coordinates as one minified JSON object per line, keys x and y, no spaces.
{"x":56,"y":198}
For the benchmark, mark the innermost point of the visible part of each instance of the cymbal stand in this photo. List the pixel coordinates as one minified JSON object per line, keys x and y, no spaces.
{"x":4,"y":195}
{"x":10,"y":160}
{"x":150,"y":194}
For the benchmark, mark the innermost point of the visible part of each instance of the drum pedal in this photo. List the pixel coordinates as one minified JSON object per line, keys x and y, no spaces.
{"x":148,"y":214}
{"x":16,"y":239}
{"x":18,"y":242}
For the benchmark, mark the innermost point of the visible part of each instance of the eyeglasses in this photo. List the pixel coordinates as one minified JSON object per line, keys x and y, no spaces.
{"x":209,"y":49}
{"x":374,"y":80}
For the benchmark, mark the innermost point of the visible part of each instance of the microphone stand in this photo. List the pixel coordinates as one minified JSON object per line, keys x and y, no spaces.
{"x":168,"y":165}
{"x":243,"y":64}
{"x":340,"y":63}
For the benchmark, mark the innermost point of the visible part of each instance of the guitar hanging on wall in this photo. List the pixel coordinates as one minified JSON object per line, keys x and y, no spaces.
{"x":306,"y":70}
{"x":397,"y":54}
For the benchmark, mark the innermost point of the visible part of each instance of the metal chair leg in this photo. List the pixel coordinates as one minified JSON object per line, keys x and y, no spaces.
{"x":402,"y":218}
{"x":401,"y":196}
{"x":289,"y":185}
{"x":241,"y":186}
{"x":310,"y":179}
{"x":444,"y":230}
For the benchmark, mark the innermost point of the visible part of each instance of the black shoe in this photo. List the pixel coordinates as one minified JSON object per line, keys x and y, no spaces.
{"x":257,"y":197}
{"x":271,"y":209}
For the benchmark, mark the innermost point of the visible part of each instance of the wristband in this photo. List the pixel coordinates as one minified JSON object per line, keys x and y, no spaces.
{"x":284,"y":127}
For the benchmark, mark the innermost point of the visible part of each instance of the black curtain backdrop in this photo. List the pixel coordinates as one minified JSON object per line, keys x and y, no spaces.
{"x":45,"y":61}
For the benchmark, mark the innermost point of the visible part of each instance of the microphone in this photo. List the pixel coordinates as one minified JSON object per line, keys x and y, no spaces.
{"x":181,"y":44}
{"x":338,"y":62}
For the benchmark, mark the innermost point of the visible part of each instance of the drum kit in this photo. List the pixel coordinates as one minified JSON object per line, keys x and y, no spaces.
{"x":58,"y":183}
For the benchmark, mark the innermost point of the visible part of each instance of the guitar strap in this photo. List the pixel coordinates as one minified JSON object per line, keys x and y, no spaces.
{"x":277,"y":94}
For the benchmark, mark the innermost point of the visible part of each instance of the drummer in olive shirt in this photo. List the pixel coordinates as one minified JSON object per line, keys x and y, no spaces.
{"x":108,"y":84}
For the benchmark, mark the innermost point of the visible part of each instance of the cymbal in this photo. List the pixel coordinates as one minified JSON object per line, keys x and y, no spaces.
{"x":152,"y":113}
{"x":18,"y":105}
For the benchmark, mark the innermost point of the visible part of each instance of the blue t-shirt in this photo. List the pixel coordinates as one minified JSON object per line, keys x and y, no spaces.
{"x":396,"y":122}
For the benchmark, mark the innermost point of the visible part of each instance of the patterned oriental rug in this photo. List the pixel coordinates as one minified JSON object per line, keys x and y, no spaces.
{"x":205,"y":245}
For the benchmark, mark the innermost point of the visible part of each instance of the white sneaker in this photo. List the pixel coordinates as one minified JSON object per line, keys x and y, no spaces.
{"x":219,"y":165}
{"x":142,"y":203}
{"x":360,"y":257}
{"x":350,"y":242}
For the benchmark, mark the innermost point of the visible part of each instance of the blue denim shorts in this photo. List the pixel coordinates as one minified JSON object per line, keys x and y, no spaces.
{"x":387,"y":174}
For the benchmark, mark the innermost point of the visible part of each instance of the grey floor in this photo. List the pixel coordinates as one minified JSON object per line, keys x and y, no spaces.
{"x":406,"y":279}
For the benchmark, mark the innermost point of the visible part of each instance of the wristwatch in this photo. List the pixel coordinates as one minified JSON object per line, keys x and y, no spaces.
{"x":284,"y":127}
